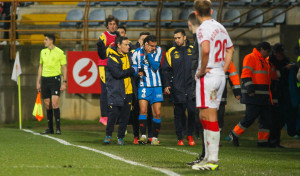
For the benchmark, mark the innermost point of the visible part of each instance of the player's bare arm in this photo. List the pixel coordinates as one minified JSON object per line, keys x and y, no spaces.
{"x":228,"y":58}
{"x":64,"y":84}
{"x":38,"y":80}
{"x":205,"y":48}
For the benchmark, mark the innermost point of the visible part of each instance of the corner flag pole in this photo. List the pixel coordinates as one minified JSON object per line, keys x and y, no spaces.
{"x":20,"y":109}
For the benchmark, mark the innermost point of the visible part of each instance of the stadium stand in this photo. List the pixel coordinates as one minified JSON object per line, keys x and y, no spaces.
{"x":261,"y":3}
{"x":151,"y":3}
{"x":182,"y":16}
{"x":276,"y":20}
{"x":97,"y":14}
{"x":166,"y":14}
{"x":215,"y":13}
{"x":130,"y":3}
{"x":239,"y":2}
{"x":109,"y":3}
{"x":121,"y":14}
{"x":1,"y":23}
{"x":143,"y":14}
{"x":254,"y":17}
{"x":82,"y":4}
{"x":189,"y":4}
{"x":288,"y":3}
{"x":74,"y":14}
{"x":173,"y":4}
{"x":229,"y":15}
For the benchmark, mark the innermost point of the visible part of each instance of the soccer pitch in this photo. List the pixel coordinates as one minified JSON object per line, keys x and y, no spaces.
{"x":80,"y":151}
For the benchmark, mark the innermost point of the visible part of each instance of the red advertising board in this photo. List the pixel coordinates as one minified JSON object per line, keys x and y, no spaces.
{"x":83,"y":74}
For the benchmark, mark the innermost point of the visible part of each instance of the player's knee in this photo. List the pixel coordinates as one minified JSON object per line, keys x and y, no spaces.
{"x":156,"y":115}
{"x":54,"y":105}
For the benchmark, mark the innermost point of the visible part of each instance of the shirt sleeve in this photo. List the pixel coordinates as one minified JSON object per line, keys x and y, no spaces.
{"x":202,"y":35}
{"x":63,"y":59}
{"x":41,"y":58}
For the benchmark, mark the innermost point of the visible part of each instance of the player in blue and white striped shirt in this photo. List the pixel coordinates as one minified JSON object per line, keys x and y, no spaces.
{"x":147,"y":61}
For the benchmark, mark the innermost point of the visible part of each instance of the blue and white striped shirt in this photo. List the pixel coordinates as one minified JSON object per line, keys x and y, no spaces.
{"x":150,"y":64}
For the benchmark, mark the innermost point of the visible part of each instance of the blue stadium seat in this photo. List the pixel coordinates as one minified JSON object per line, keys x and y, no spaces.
{"x":97,"y":14}
{"x":229,"y":15}
{"x":74,"y":14}
{"x":143,"y":14}
{"x":256,"y":20}
{"x":182,"y":16}
{"x":288,"y":3}
{"x":1,"y":23}
{"x":239,"y":2}
{"x":129,"y":3}
{"x":166,"y":14}
{"x":189,"y":4}
{"x":150,"y":3}
{"x":172,"y":4}
{"x":26,"y":4}
{"x":276,"y":20}
{"x":121,"y":14}
{"x":109,"y":3}
{"x":262,"y":3}
{"x":215,"y":13}
{"x":82,"y":4}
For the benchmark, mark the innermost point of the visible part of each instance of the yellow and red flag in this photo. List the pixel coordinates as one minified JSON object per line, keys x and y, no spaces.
{"x":38,"y":109}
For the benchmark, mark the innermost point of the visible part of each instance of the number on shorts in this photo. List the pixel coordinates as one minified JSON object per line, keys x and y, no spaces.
{"x":144,"y":92}
{"x":222,"y":48}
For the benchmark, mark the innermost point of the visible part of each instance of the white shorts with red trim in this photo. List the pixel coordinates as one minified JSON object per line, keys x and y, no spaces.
{"x":209,"y":90}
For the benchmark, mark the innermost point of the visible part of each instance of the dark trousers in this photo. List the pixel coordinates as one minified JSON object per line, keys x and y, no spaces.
{"x":277,"y":125}
{"x":260,"y":111}
{"x":179,"y":115}
{"x":134,"y":115}
{"x":221,"y":114}
{"x":123,"y":112}
{"x":103,"y":100}
{"x":7,"y":26}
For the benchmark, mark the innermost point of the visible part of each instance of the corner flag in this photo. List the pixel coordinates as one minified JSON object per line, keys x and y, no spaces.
{"x":17,"y":69}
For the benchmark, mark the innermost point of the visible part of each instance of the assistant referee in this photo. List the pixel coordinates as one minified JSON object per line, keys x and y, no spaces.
{"x":52,"y":61}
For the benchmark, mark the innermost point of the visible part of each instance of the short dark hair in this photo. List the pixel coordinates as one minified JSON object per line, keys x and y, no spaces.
{"x":119,"y":40}
{"x":278,"y":48}
{"x":144,"y":33}
{"x":51,"y":37}
{"x":111,"y":18}
{"x":151,"y":38}
{"x":203,"y":7}
{"x":179,"y":30}
{"x":122,"y":27}
{"x":193,"y":19}
{"x":263,"y":45}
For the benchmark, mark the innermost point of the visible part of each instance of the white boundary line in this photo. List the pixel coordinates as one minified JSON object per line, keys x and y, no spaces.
{"x":165,"y":171}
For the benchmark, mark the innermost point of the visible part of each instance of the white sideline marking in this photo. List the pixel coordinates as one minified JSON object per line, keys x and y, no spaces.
{"x":167,"y":172}
{"x":181,"y":150}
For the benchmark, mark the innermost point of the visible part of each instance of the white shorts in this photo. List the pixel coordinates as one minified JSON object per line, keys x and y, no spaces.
{"x":209,"y":90}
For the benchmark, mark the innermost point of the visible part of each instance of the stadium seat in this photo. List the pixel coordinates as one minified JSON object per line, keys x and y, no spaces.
{"x":121,"y":14}
{"x":215,"y":13}
{"x":189,"y":4}
{"x":143,"y":14}
{"x":150,"y":3}
{"x":109,"y":3}
{"x":229,"y":15}
{"x":74,"y":14}
{"x":263,"y":3}
{"x":284,"y":4}
{"x":97,"y":14}
{"x":256,"y":20}
{"x":82,"y":4}
{"x":129,"y":3}
{"x":239,"y":2}
{"x":26,"y":4}
{"x":277,"y":20}
{"x":172,"y":4}
{"x":166,"y":14}
{"x":1,"y":23}
{"x":182,"y":16}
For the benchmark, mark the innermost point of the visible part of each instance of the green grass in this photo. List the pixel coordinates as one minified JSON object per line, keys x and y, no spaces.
{"x":23,"y":153}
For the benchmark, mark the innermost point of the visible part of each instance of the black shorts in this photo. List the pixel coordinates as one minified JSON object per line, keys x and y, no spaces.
{"x":50,"y":86}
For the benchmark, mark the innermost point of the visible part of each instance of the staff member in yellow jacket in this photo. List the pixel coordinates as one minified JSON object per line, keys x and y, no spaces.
{"x":52,"y":60}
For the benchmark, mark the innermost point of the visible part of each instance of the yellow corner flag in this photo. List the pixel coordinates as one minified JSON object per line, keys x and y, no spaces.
{"x":38,"y":109}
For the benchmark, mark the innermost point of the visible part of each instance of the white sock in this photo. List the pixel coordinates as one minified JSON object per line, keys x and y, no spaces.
{"x":205,"y":144}
{"x":213,"y":140}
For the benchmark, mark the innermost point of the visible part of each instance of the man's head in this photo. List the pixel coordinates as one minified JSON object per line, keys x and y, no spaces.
{"x":193,"y":22}
{"x":122,"y":44}
{"x":150,"y":43}
{"x":278,"y":51}
{"x":143,"y":35}
{"x":180,"y":37}
{"x":203,"y":8}
{"x":49,"y":40}
{"x":111,"y":23}
{"x":264,"y":48}
{"x":122,"y":31}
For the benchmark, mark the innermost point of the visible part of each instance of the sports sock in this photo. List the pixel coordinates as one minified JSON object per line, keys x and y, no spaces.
{"x":143,"y":124}
{"x":213,"y":140}
{"x":156,"y":126}
{"x":57,"y":118}
{"x":50,"y":119}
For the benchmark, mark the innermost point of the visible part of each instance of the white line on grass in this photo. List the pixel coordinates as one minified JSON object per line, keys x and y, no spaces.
{"x":167,"y":172}
{"x":181,"y":150}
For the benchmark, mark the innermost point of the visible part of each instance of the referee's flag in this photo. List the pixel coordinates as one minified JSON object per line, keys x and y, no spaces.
{"x":17,"y":69}
{"x":38,"y":109}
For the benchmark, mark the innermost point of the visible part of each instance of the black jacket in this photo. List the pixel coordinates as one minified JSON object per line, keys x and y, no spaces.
{"x":177,"y":72}
{"x":115,"y":76}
